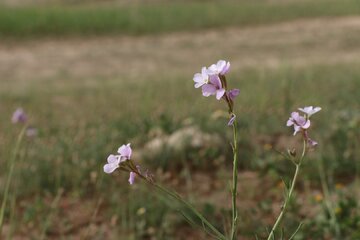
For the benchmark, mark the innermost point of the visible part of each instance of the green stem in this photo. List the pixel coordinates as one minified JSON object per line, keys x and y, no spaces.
{"x":9,"y":177}
{"x":176,"y":196}
{"x":234,"y":185}
{"x":289,"y":194}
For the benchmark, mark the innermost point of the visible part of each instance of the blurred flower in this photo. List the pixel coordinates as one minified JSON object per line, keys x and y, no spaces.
{"x":19,"y":116}
{"x":132,"y":177}
{"x":339,"y":186}
{"x":299,"y":122}
{"x":213,"y":88}
{"x":31,"y":132}
{"x":318,"y":197}
{"x":221,"y":67}
{"x":233,"y":93}
{"x":125,"y":152}
{"x":232,"y":119}
{"x":201,"y":78}
{"x":141,"y":211}
{"x":310,"y":110}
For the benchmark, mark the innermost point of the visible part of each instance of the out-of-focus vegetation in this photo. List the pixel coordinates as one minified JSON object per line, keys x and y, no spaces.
{"x":60,"y":190}
{"x":159,"y":17}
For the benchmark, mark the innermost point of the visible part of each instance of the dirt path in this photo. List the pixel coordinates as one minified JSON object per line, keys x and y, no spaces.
{"x":297,"y":43}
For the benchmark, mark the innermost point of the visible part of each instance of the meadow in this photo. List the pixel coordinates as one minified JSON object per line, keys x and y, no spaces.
{"x":94,"y":77}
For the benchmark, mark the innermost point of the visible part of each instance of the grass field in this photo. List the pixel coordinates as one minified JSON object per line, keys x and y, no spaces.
{"x":87,"y":95}
{"x":150,"y":18}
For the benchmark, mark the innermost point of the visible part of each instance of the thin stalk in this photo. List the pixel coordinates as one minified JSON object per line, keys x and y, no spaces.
{"x":10,"y":175}
{"x":176,"y":196}
{"x":234,"y":185}
{"x":289,"y":194}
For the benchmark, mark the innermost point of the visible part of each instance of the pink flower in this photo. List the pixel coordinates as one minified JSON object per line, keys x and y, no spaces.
{"x":210,"y":82}
{"x":221,"y":67}
{"x":299,"y":122}
{"x":125,"y":151}
{"x":114,"y":161}
{"x":214,"y":87}
{"x":201,"y":78}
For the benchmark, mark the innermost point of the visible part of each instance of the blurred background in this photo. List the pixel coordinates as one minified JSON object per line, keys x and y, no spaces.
{"x":93,"y":75}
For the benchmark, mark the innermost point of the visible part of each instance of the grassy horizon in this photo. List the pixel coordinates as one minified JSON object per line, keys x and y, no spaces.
{"x":31,"y":21}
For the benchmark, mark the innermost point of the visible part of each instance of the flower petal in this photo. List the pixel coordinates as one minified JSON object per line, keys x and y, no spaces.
{"x":208,"y":89}
{"x":306,"y":125}
{"x":213,"y":70}
{"x":225,"y":69}
{"x":296,"y":129}
{"x":110,"y":167}
{"x":233,"y":93}
{"x":215,"y":80}
{"x":132,"y":177}
{"x":290,"y":122}
{"x":113,"y":159}
{"x":220,"y":65}
{"x":220,"y":93}
{"x":125,"y":151}
{"x":295,"y":115}
{"x":201,"y":78}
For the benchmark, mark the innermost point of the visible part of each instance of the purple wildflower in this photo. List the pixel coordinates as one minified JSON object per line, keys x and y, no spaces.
{"x":115,"y":160}
{"x":221,"y":67}
{"x":113,"y":163}
{"x":132,"y":178}
{"x":233,"y":93}
{"x":299,"y":122}
{"x":309,"y":111}
{"x":125,"y":152}
{"x":201,"y":78}
{"x":214,"y":87}
{"x":19,"y":116}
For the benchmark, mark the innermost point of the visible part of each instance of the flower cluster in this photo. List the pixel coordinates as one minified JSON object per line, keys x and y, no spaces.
{"x":212,"y":81}
{"x":123,"y":161}
{"x":302,"y":123}
{"x":115,"y":160}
